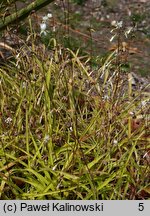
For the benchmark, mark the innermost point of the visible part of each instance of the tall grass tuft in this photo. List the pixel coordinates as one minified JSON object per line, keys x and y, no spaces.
{"x":67,"y":131}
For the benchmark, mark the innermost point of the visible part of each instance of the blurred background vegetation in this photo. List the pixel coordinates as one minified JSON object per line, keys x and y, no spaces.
{"x":87,"y":24}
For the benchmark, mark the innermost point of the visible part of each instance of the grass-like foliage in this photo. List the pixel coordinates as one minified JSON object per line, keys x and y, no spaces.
{"x":67,"y":131}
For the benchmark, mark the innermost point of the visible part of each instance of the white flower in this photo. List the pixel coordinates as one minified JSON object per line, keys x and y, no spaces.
{"x":43,"y":28}
{"x":113,"y":23}
{"x":106,"y":97}
{"x":117,"y":24}
{"x":115,"y":142}
{"x":24,"y":85}
{"x":120,"y":24}
{"x":8,"y":120}
{"x":132,"y":113}
{"x":44,"y":18}
{"x":49,"y":15}
{"x":70,"y":128}
{"x":46,"y":138}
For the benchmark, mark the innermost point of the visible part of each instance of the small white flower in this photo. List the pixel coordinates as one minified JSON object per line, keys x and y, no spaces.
{"x":113,"y":23}
{"x":49,"y":15}
{"x":106,"y":97}
{"x":115,"y":142}
{"x":46,"y":138}
{"x":120,"y":24}
{"x":24,"y":85}
{"x":45,"y":18}
{"x":132,"y":113}
{"x":8,"y":120}
{"x":43,"y":26}
{"x":70,"y":128}
{"x":117,"y":24}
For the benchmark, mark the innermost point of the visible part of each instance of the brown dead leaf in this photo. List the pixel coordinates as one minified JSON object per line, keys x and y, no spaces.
{"x":124,"y":47}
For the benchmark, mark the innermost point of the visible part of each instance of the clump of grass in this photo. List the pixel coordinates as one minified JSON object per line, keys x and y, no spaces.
{"x":67,"y":131}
